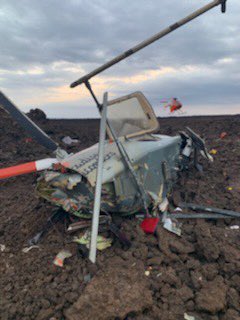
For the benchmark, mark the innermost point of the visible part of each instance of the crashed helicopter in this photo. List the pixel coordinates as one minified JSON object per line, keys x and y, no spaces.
{"x":139,"y":165}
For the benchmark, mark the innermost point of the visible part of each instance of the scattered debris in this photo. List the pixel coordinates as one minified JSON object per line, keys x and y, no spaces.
{"x":171,"y":226}
{"x":61,"y":256}
{"x":28,"y":140}
{"x":149,"y":225}
{"x":2,"y":247}
{"x":87,"y":223}
{"x":148,"y":271}
{"x":223,"y":135}
{"x":102,"y":242}
{"x":140,"y":215}
{"x":236,"y":227}
{"x":178,"y":209}
{"x":188,"y":317}
{"x":164,"y":205}
{"x":27,"y":249}
{"x":213,"y":151}
{"x":73,"y":180}
{"x":68,"y":140}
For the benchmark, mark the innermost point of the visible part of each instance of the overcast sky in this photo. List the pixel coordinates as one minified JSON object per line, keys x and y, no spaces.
{"x":45,"y":45}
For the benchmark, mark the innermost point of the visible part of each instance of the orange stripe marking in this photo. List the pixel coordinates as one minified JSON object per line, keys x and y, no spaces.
{"x":18,"y":170}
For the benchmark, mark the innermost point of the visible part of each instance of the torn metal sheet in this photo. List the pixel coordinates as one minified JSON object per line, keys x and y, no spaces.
{"x":171,"y":226}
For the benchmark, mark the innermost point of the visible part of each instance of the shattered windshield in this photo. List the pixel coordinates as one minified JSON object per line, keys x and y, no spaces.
{"x":131,"y":115}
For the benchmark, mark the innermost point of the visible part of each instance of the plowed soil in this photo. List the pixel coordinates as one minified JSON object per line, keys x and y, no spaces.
{"x":196,"y":274}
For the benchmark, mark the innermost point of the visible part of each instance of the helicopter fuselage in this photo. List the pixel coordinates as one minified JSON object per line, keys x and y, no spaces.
{"x":155,"y":159}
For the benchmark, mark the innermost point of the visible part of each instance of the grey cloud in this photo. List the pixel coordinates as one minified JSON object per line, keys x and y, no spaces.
{"x":46,"y":31}
{"x":40,"y":33}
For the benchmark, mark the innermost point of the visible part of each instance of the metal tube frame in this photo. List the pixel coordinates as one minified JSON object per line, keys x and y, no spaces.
{"x":98,"y":187}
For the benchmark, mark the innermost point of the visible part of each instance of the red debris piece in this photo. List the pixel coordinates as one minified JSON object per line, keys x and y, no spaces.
{"x":223,"y":135}
{"x":28,"y":140}
{"x":149,"y":225}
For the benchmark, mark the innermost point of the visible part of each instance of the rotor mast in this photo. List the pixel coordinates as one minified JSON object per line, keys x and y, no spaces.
{"x":150,"y":40}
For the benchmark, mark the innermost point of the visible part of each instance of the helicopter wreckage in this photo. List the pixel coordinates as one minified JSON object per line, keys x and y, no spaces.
{"x":139,"y":166}
{"x":156,"y":159}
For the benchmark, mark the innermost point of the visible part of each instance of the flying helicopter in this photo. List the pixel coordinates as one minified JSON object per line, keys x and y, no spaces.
{"x":139,"y":165}
{"x":174,"y":105}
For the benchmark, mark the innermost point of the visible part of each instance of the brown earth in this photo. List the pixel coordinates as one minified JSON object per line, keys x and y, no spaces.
{"x":197,"y":274}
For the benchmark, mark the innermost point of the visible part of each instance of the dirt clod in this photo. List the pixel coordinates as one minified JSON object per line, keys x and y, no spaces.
{"x":120,"y":289}
{"x":212,"y":297}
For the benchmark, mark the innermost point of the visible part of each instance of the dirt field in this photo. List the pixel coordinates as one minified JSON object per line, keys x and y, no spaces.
{"x":197,"y":274}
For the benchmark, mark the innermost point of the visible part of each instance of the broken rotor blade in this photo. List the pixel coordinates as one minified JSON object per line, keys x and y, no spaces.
{"x":28,"y":167}
{"x":38,"y":134}
{"x":150,"y":40}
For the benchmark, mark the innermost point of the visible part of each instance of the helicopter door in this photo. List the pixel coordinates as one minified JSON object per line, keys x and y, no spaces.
{"x":131,"y":116}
